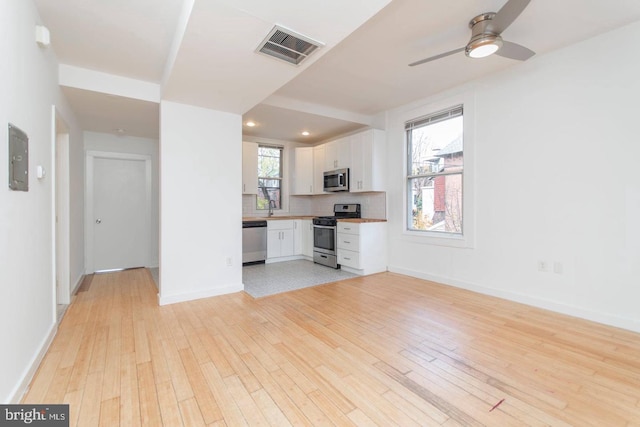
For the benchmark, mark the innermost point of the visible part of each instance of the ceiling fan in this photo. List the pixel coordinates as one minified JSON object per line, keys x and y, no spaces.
{"x":485,"y":35}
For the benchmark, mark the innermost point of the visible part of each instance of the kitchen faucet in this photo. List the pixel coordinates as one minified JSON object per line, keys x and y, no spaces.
{"x":272,"y":204}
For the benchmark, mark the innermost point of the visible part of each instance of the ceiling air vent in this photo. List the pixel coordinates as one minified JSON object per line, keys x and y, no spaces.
{"x":288,"y":46}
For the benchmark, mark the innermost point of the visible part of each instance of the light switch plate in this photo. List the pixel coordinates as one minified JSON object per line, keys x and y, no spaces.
{"x":18,"y":159}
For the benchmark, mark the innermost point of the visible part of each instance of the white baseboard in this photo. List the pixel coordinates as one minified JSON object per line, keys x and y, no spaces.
{"x":364,"y":272}
{"x":604,"y":318}
{"x":77,"y":285}
{"x":207,"y":293}
{"x":284,"y":258}
{"x":21,"y":389}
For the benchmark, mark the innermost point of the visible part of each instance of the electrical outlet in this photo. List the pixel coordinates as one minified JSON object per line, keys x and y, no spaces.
{"x":557,"y":267}
{"x":543,"y":266}
{"x":229,"y":262}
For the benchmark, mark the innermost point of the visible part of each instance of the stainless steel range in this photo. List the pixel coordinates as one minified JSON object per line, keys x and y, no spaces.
{"x":325,"y":236}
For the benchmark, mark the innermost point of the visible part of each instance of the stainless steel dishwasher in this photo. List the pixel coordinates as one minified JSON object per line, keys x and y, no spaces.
{"x":254,"y":242}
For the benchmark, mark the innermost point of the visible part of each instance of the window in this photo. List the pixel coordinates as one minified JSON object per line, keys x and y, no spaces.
{"x":269,"y":177}
{"x":435,"y":171}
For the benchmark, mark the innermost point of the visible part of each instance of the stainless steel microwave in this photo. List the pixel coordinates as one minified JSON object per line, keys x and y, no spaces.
{"x":336,"y":180}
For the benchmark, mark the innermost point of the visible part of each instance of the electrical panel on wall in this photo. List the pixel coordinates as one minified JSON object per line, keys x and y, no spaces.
{"x":18,"y":159}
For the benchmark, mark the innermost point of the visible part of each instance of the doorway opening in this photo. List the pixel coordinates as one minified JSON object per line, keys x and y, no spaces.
{"x":61,"y":215}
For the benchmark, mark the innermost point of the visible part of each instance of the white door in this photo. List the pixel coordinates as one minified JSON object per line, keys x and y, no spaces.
{"x":120,"y":215}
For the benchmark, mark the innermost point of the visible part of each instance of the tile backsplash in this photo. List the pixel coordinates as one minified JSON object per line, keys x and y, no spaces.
{"x":374,"y":205}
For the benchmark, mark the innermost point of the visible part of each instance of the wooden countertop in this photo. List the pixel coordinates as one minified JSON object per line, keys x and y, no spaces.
{"x":361,"y":220}
{"x":275,"y":218}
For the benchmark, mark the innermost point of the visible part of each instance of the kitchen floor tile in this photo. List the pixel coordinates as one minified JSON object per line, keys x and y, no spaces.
{"x":261,"y":280}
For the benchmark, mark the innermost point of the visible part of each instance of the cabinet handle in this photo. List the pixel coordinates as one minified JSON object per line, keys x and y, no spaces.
{"x":310,"y":189}
{"x":244,"y":188}
{"x":347,"y":242}
{"x":347,"y":258}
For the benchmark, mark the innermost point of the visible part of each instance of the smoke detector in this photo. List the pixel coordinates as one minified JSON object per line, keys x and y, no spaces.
{"x":286,"y":45}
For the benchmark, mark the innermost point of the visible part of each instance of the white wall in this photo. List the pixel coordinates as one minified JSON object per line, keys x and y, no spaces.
{"x":373,"y":205}
{"x":28,"y":90}
{"x":556,"y":179}
{"x":134,"y":145}
{"x":200,"y":202}
{"x":76,"y":208}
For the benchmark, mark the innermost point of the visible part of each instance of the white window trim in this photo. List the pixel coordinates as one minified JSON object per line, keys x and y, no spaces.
{"x":287,"y":172}
{"x":282,"y":149}
{"x":467,"y":239}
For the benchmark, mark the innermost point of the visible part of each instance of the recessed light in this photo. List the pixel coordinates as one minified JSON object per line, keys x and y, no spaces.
{"x":305,"y":133}
{"x":250,"y":124}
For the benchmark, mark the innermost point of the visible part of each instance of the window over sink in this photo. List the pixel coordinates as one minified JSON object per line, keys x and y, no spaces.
{"x":269,"y":177}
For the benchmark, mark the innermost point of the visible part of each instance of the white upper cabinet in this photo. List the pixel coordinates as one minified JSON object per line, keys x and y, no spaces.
{"x":249,"y":168}
{"x":304,"y":182}
{"x":337,"y":154}
{"x":367,"y":161}
{"x":318,"y":169}
{"x":363,"y":153}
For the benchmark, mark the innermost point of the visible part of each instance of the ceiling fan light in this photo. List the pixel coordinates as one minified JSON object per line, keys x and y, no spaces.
{"x":483,"y":46}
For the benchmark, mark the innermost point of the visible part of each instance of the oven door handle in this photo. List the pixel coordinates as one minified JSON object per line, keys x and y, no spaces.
{"x":330,"y":227}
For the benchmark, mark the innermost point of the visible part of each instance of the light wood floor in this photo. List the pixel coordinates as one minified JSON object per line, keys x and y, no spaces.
{"x":385,"y":349}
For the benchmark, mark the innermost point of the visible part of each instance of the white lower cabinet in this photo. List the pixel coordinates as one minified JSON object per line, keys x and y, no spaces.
{"x":306,"y":231}
{"x":361,"y":247}
{"x":280,"y":238}
{"x":297,"y":236}
{"x":289,"y":239}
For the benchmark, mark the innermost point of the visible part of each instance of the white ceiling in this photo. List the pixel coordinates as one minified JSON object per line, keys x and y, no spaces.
{"x":201,"y":52}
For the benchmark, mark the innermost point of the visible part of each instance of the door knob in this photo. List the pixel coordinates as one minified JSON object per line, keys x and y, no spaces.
{"x":98,"y":221}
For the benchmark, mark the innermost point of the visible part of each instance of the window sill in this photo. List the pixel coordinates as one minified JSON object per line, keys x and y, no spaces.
{"x":438,"y":239}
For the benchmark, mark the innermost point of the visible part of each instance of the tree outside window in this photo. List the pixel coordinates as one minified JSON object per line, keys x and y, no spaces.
{"x":434,"y":172}
{"x":269,"y":177}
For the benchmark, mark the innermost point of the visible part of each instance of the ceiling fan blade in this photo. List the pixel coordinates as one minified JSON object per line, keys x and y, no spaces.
{"x":514,"y":51}
{"x":433,"y":58}
{"x":506,"y":15}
